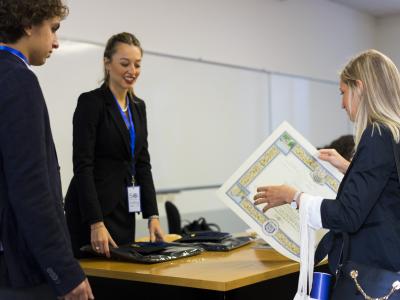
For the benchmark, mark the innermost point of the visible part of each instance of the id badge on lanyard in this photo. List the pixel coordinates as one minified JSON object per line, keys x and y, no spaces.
{"x":133,"y":191}
{"x":134,"y":198}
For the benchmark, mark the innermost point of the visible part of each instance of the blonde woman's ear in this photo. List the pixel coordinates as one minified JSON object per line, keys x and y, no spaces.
{"x":360,"y":85}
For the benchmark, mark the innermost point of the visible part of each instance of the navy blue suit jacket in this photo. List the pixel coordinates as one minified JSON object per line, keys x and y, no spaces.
{"x":33,"y":230}
{"x":367,"y":206}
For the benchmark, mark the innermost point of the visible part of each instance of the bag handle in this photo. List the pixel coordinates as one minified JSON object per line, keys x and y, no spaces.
{"x":396,"y":157}
{"x":344,"y":252}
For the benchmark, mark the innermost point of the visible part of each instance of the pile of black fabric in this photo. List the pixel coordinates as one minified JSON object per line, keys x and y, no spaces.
{"x":150,"y":253}
{"x":214,"y":240}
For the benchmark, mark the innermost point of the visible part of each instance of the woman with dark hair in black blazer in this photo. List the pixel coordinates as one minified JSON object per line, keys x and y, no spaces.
{"x":112,"y":171}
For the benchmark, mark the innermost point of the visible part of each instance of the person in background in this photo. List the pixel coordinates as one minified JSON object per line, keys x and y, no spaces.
{"x":367,"y":204}
{"x":344,"y":145}
{"x":112,"y":171}
{"x":36,"y":259}
{"x":341,"y":147}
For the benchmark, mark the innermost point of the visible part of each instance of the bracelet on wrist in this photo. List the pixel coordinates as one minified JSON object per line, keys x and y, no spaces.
{"x":94,"y":227}
{"x":295,"y":201}
{"x":154,"y":217}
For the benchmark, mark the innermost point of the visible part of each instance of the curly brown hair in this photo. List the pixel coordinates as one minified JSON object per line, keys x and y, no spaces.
{"x":16,"y":15}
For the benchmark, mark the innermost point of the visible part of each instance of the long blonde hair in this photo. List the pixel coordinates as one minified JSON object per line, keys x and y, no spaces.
{"x":111,"y":48}
{"x":380,"y":93}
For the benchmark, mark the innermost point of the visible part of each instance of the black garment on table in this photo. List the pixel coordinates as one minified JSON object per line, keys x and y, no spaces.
{"x":150,"y":253}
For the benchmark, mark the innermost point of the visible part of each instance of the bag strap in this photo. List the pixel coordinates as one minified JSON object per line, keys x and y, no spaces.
{"x":396,"y":157}
{"x":344,"y":252}
{"x":216,"y":227}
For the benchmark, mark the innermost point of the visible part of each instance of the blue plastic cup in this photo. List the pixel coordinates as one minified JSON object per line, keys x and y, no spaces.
{"x":321,"y":286}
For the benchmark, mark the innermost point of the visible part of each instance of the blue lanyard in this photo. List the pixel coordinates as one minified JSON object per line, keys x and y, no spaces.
{"x":15,"y":52}
{"x":129,"y":124}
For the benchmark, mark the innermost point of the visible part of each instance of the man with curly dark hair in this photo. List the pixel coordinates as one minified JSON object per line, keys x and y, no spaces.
{"x":36,"y":260}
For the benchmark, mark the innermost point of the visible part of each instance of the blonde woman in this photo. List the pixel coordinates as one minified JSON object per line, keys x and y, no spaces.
{"x":112,"y":170}
{"x":367,"y":205}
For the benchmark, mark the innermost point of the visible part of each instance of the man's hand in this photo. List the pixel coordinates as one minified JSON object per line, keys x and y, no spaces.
{"x":81,"y":292}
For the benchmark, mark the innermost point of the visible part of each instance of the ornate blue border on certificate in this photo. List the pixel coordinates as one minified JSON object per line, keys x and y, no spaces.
{"x":239,"y":193}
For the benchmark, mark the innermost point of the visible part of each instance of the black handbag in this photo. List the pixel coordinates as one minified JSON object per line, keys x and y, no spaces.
{"x":355,"y":281}
{"x":199,"y":225}
{"x":359,"y":281}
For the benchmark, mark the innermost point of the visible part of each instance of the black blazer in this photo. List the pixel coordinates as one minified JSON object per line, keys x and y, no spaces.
{"x":367,"y":206}
{"x":102,"y":159}
{"x":32,"y":224}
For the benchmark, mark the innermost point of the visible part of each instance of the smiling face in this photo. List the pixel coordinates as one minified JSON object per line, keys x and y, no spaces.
{"x":42,"y":40}
{"x":124,"y":66}
{"x":350,"y":99}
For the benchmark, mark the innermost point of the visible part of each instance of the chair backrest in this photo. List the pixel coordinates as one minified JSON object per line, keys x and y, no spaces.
{"x":173,"y":218}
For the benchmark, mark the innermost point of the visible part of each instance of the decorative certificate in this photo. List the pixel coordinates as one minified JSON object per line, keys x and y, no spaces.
{"x":285,"y":157}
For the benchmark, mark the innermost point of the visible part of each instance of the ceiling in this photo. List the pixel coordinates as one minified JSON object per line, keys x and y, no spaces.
{"x":377,"y":8}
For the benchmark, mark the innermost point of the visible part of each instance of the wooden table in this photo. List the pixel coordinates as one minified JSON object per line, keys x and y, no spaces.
{"x":219,"y":275}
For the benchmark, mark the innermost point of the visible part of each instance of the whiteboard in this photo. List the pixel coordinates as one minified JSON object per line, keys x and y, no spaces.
{"x":204,"y":119}
{"x":73,"y":69}
{"x":313,"y":107}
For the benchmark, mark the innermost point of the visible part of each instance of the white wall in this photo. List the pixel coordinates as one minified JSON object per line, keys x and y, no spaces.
{"x":305,"y":37}
{"x":387,"y":40}
{"x":311,"y":38}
